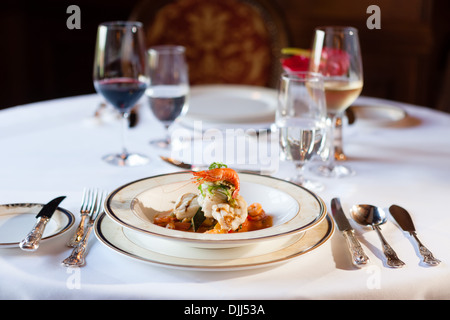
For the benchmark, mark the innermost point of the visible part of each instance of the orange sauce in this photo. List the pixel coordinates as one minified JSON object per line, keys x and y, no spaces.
{"x":256,"y":219}
{"x":252,"y":225}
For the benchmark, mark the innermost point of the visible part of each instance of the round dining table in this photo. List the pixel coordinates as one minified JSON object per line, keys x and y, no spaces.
{"x":400,"y":154}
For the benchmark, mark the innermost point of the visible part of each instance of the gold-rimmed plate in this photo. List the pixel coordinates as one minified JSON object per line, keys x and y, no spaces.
{"x":170,"y":254}
{"x":294,"y":209}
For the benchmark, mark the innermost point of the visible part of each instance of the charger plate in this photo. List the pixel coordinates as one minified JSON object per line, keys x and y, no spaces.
{"x":170,"y":254}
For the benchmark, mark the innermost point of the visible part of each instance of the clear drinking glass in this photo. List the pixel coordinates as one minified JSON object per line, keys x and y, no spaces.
{"x":301,"y":121}
{"x":336,"y":54}
{"x":120,"y":76}
{"x":168,"y":91}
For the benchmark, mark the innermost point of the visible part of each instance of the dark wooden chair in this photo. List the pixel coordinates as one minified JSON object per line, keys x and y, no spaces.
{"x":227,"y":41}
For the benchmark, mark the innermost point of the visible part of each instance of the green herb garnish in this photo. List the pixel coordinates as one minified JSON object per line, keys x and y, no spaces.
{"x":217,"y":165}
{"x":201,"y":190}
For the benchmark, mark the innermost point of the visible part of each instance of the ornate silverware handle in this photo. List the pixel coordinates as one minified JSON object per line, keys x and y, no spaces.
{"x":392,"y":259}
{"x":78,"y":256}
{"x":76,"y":238}
{"x":428,"y":257}
{"x":32,"y":240}
{"x":359,"y":258}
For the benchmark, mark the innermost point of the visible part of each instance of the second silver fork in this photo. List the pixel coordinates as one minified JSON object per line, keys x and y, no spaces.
{"x":78,"y":255}
{"x":87,"y":205}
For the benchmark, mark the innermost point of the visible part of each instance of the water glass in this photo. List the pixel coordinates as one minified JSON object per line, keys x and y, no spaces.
{"x":301,"y":121}
{"x":168,"y":91}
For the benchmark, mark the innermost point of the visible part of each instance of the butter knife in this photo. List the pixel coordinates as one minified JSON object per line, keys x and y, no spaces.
{"x":359,"y":258}
{"x":404,"y":220}
{"x":32,"y":240}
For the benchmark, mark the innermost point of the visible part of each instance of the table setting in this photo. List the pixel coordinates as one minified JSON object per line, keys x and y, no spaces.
{"x":224,"y":191}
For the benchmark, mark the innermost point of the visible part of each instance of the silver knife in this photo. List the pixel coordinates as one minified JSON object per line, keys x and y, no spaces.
{"x":192,"y":167}
{"x":31,"y":241}
{"x":404,"y":220}
{"x":359,"y":258}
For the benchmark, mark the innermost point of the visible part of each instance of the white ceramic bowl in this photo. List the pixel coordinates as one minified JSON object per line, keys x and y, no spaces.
{"x":294,"y":209}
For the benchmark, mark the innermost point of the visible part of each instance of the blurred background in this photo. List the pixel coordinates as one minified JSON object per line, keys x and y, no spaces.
{"x":406,"y":60}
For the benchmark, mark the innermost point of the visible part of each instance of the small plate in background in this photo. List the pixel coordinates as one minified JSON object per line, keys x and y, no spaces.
{"x":231,"y":104}
{"x":377,"y":114}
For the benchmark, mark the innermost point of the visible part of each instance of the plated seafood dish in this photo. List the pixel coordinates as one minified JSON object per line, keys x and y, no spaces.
{"x":217,"y":207}
{"x":289,"y":209}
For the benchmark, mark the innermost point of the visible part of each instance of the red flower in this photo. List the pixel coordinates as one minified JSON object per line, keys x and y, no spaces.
{"x":334,"y":62}
{"x":295,"y":63}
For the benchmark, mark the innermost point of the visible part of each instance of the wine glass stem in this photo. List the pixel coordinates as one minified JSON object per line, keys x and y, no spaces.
{"x":333,"y":117}
{"x":125,"y":116}
{"x":337,"y":139}
{"x":167,"y":126}
{"x":299,"y":172}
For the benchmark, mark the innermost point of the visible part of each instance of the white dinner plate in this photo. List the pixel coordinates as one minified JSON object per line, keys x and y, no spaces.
{"x":377,"y":114}
{"x":231,"y":104}
{"x":294,"y":209}
{"x":17,"y":220}
{"x":171,"y":254}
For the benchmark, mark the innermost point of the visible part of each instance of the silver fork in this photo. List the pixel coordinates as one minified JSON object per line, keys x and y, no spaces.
{"x":78,"y":255}
{"x":87,"y":205}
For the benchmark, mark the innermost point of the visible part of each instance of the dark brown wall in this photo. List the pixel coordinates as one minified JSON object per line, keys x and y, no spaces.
{"x":41,"y":59}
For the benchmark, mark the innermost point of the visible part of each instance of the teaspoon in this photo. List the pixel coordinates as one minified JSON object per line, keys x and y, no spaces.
{"x":369,"y":215}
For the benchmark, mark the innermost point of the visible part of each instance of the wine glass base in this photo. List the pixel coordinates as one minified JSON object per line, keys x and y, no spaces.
{"x":333,"y":171}
{"x":307,"y":184}
{"x":126,"y":160}
{"x":162,"y":143}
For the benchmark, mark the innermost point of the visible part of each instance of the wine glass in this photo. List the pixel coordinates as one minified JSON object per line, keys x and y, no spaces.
{"x":169,"y":86}
{"x":336,"y":54}
{"x":301,"y":121}
{"x":120,"y":76}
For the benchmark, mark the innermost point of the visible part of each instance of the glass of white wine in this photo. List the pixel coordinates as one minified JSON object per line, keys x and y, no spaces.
{"x":336,"y":54}
{"x":301,"y":121}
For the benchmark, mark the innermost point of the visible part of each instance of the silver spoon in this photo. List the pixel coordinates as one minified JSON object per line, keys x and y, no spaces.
{"x":369,"y":215}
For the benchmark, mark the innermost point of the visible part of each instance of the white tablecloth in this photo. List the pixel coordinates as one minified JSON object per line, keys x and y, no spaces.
{"x":54,"y":148}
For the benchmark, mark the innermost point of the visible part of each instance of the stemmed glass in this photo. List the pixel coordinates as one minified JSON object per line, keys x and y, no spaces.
{"x":120,"y":76}
{"x":169,"y":86}
{"x":301,"y":121}
{"x":336,"y":54}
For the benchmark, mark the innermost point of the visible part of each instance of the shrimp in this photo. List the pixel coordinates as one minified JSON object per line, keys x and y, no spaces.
{"x":220,"y":174}
{"x":256,"y":212}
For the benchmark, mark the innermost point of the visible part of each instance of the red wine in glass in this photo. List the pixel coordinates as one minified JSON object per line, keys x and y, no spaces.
{"x":122,"y":93}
